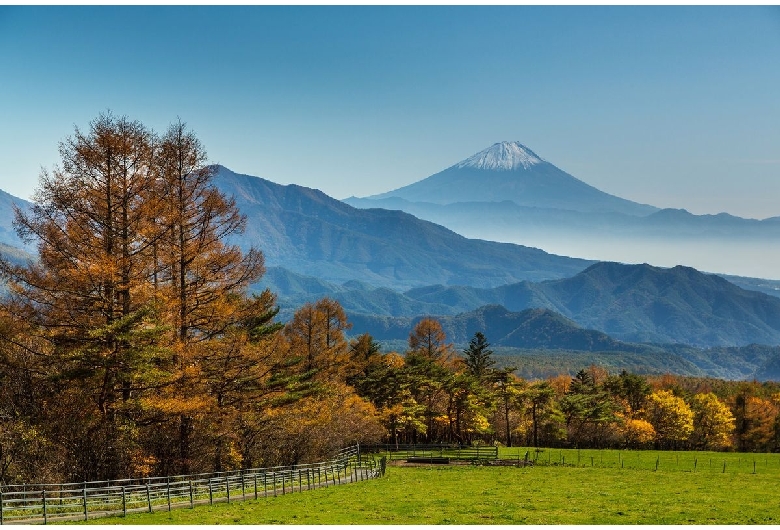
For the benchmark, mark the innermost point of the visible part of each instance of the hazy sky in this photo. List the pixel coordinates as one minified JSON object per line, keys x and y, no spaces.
{"x":672,"y":106}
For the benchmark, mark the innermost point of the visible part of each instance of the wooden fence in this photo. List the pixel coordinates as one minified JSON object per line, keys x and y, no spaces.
{"x":30,"y":503}
{"x":452,"y":452}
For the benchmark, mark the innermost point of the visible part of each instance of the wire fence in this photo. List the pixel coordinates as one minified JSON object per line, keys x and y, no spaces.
{"x":41,"y":503}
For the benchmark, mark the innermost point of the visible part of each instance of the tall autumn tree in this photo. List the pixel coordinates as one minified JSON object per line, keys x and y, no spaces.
{"x":506,"y":389}
{"x":539,"y":401}
{"x":588,"y":409}
{"x":138,"y":298}
{"x":199,"y":277}
{"x":86,"y":296}
{"x":428,"y":366}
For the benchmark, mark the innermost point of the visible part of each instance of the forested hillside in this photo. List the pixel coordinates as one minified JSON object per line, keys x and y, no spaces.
{"x":633,"y":303}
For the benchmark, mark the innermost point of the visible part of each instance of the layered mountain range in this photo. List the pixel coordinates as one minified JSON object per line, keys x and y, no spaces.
{"x":389,"y":268}
{"x":638,"y":303}
{"x":509,"y":193}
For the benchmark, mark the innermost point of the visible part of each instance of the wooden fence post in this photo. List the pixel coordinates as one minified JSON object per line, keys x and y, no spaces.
{"x":211,"y":493}
{"x":85,"y":501}
{"x":45,"y":515}
{"x":148,"y":497}
{"x":168,"y":492}
{"x":192,"y":499}
{"x":1,"y":507}
{"x":254,"y":476}
{"x":227,"y":487}
{"x":124,"y":503}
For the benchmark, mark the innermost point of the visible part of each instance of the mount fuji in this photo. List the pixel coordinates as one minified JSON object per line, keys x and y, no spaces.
{"x":510,"y":194}
{"x":510,"y":171}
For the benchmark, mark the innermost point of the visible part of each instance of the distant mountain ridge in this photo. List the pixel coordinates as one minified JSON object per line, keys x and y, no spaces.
{"x":304,"y":230}
{"x":542,"y":343}
{"x":632,"y":303}
{"x":641,"y":303}
{"x":531,"y":329}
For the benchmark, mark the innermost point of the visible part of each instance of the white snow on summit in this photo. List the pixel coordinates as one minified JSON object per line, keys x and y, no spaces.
{"x":503,"y":156}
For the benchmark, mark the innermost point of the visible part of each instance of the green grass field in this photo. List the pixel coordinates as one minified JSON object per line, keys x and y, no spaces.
{"x":607,"y":487}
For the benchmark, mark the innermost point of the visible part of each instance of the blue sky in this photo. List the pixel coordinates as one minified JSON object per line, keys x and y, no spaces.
{"x":672,"y":106}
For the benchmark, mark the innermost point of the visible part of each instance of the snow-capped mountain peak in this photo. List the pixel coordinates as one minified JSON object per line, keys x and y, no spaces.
{"x":502,"y":156}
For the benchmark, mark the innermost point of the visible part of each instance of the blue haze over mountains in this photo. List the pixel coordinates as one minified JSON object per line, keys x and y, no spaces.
{"x":389,"y":267}
{"x":509,"y":193}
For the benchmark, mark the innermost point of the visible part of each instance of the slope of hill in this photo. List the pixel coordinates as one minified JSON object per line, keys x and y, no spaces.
{"x":649,"y":304}
{"x":305,"y":231}
{"x":641,"y":303}
{"x":15,"y":254}
{"x":527,"y":329}
{"x":637,"y":303}
{"x":7,"y":232}
{"x":294,"y":290}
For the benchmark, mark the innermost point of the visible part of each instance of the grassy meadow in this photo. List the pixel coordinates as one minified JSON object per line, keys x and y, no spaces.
{"x":607,"y":487}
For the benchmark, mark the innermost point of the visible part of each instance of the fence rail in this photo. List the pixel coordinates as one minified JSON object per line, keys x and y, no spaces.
{"x":27,"y":503}
{"x":453,"y":452}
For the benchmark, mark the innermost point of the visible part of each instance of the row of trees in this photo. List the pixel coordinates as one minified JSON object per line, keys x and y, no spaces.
{"x":432,"y":395}
{"x":132,"y":347}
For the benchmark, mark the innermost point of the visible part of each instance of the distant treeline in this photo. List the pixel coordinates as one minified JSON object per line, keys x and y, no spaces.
{"x":131,"y":347}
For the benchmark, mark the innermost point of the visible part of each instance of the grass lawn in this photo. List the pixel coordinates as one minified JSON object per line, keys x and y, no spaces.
{"x":543,"y":494}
